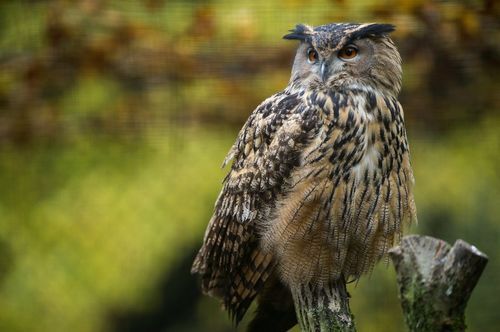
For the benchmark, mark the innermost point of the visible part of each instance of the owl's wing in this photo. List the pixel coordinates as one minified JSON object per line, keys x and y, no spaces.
{"x":231,"y":263}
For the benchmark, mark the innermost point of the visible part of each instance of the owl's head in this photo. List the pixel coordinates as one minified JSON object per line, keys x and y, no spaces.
{"x":346,"y":56}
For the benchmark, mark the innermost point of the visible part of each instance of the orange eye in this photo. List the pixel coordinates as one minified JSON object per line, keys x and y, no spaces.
{"x":312,"y":55}
{"x":348,"y":52}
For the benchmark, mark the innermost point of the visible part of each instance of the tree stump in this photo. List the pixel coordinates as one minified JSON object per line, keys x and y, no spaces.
{"x":324,"y":309}
{"x":435,"y":281}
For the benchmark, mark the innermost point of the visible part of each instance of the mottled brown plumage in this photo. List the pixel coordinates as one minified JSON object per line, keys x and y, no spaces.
{"x":321,"y":182}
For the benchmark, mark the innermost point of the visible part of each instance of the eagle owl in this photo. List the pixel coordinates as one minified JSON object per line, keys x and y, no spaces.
{"x":320,"y":183}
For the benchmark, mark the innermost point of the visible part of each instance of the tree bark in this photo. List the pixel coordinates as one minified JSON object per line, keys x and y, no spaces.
{"x":435,"y":281}
{"x":324,"y":309}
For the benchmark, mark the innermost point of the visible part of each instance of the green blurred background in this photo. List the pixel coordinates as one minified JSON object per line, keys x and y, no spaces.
{"x":115,"y":117}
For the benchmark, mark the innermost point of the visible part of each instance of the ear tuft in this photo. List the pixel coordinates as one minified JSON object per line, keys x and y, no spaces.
{"x":373,"y":30}
{"x":301,"y":32}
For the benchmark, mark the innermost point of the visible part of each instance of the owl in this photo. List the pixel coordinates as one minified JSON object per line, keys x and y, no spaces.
{"x":320,"y":184}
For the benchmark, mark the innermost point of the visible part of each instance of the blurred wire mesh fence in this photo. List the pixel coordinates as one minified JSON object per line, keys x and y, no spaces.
{"x":115,"y":116}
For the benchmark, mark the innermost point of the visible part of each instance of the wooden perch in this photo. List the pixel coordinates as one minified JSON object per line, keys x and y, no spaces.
{"x":435,"y":281}
{"x":325,"y":309}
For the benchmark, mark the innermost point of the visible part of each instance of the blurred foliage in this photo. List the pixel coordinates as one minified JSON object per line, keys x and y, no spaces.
{"x":115,"y":116}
